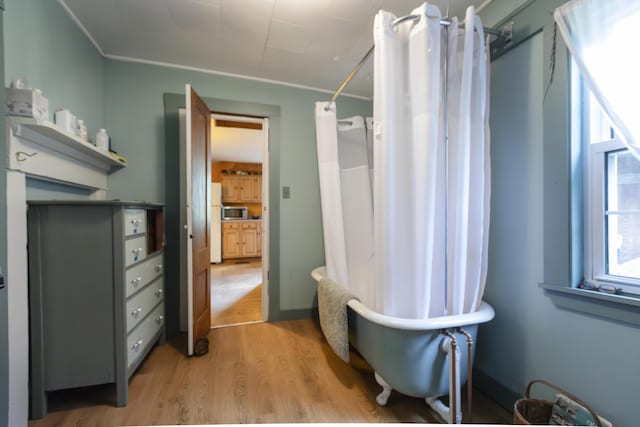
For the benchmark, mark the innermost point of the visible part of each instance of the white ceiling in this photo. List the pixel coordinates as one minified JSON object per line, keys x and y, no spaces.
{"x":313,"y":43}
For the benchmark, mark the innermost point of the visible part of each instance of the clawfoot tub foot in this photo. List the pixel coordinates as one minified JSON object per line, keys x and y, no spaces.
{"x":383,"y":397}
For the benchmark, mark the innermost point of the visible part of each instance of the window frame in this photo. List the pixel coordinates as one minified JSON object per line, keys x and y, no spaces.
{"x":594,"y":199}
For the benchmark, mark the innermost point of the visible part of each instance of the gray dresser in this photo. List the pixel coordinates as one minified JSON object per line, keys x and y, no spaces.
{"x":96,"y":293}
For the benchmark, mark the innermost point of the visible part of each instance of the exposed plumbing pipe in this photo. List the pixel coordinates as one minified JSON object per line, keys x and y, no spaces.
{"x":451,"y":345}
{"x":469,"y":372}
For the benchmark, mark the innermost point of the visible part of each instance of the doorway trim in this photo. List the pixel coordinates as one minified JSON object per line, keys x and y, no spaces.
{"x":172,"y":102}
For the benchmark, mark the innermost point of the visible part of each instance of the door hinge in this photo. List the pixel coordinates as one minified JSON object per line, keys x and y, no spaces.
{"x":268,"y":274}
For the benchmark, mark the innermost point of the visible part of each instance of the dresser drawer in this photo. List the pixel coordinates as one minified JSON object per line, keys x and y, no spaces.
{"x":141,"y":274}
{"x":135,"y":221}
{"x":140,"y":337}
{"x":142,"y":303}
{"x":135,"y":250}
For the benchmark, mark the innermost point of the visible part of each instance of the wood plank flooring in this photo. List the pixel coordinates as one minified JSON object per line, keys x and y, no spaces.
{"x":236,"y":292}
{"x":259,"y":373}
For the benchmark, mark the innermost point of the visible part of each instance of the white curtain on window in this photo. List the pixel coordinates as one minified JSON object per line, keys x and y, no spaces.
{"x":603,"y":38}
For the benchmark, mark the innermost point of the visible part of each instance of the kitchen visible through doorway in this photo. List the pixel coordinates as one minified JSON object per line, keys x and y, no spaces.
{"x":239,"y":222}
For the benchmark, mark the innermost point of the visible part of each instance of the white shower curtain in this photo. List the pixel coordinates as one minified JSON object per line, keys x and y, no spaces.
{"x":468,"y":189}
{"x":357,"y":206}
{"x":430,"y":213}
{"x":331,"y":193}
{"x":408,"y":176}
{"x":349,"y":201}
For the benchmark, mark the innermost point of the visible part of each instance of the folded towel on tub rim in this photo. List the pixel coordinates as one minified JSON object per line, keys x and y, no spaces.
{"x":332,"y":308}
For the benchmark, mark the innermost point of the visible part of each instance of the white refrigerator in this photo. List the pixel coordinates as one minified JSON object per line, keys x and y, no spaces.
{"x":216,"y":226}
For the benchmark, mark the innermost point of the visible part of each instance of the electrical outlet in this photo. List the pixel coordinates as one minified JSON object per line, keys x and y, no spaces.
{"x":286,"y":192}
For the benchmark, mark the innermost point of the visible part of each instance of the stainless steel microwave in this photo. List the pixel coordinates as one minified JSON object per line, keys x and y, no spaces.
{"x":234,"y":212}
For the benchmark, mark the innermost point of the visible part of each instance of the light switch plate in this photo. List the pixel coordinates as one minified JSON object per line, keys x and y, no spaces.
{"x":286,"y":192}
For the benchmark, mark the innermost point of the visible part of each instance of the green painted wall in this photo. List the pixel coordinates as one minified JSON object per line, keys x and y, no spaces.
{"x":498,"y":9}
{"x":531,"y":237}
{"x":4,"y":354}
{"x":45,"y":47}
{"x":134,"y":117}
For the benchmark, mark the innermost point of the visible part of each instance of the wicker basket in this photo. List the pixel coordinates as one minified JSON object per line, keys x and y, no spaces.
{"x":530,"y":411}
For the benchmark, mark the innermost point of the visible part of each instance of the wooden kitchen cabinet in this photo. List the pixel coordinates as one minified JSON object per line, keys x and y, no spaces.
{"x":230,"y":188}
{"x":250,"y":239}
{"x":251,"y":188}
{"x":257,"y":189}
{"x":231,"y":247}
{"x":241,"y":188}
{"x":245,"y":184}
{"x":241,"y":239}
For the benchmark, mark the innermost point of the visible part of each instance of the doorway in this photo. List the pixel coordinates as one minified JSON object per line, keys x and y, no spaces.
{"x":239,"y":219}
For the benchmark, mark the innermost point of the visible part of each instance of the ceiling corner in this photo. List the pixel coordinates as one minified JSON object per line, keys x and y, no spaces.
{"x":84,"y":30}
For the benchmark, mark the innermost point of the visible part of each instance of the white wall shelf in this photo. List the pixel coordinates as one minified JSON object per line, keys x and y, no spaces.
{"x":56,"y":151}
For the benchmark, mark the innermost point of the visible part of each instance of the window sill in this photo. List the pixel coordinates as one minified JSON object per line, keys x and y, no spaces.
{"x":620,"y":308}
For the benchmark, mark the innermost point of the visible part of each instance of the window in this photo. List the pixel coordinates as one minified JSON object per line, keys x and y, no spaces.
{"x":612,"y":201}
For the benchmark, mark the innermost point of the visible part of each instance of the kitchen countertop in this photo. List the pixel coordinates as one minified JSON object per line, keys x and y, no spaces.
{"x":242,"y":220}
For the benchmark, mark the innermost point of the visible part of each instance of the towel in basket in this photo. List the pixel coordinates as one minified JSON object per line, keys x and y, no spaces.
{"x":567,"y":410}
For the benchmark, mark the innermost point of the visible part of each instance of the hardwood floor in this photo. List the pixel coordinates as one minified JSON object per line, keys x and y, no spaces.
{"x":236,"y":292}
{"x":260,"y":373}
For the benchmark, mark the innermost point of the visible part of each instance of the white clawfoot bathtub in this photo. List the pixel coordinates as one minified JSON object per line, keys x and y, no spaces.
{"x":409,"y":355}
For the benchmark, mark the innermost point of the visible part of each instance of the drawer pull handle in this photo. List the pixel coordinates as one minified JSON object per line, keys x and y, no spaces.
{"x":159,"y":319}
{"x":159,"y":268}
{"x":136,"y":312}
{"x":158,"y":293}
{"x":136,"y":281}
{"x":137,"y":345}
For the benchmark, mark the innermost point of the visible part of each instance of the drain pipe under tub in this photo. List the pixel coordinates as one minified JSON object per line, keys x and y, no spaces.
{"x":469,"y":372}
{"x":452,"y":414}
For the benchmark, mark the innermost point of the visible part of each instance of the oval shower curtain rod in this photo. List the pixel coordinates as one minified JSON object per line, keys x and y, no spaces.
{"x":443,"y":22}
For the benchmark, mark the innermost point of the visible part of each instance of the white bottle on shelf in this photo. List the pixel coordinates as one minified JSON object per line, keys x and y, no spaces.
{"x":102,"y":140}
{"x":81,"y":130}
{"x":65,"y":120}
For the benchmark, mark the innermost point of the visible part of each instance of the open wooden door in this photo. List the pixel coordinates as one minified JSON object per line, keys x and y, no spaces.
{"x":198,"y":217}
